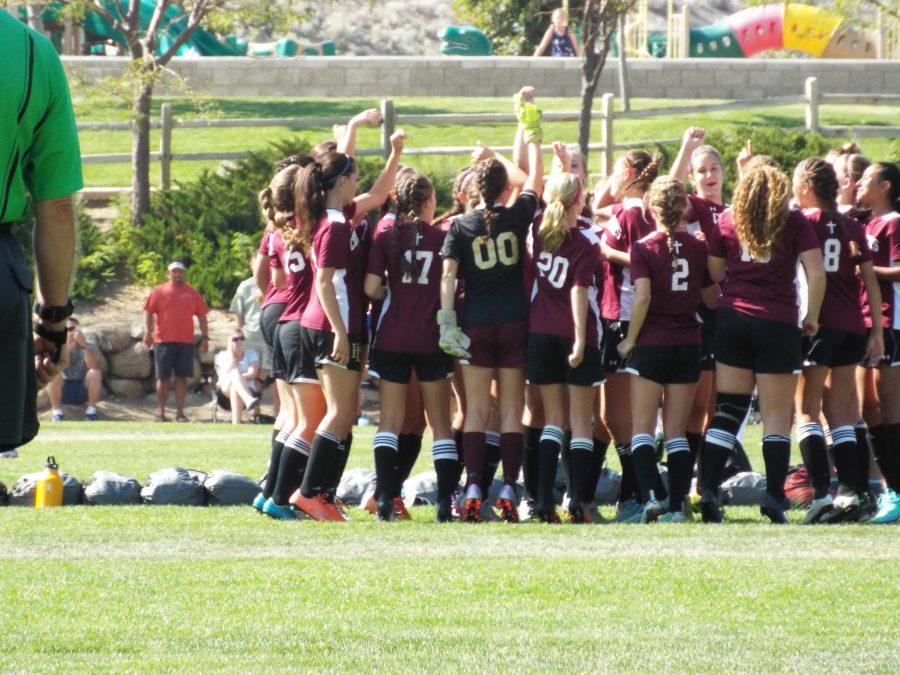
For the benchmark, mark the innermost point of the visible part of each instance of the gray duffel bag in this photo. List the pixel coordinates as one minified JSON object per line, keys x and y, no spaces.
{"x":22,"y":492}
{"x":175,"y":487}
{"x":225,"y":488}
{"x":107,"y":488}
{"x":744,"y":489}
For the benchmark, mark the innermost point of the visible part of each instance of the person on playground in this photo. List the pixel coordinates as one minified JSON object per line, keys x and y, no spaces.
{"x":42,"y":161}
{"x":559,"y":36}
{"x":830,"y":358}
{"x":758,"y":242}
{"x":662,"y":347}
{"x":81,"y":381}
{"x":879,"y":191}
{"x":406,"y":340}
{"x":486,"y":248}
{"x":169,"y":329}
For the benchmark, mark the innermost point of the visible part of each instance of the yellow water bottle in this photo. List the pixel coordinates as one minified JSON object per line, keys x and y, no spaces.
{"x":49,"y":486}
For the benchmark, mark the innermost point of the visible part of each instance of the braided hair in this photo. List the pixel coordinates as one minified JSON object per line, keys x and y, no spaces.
{"x":645,"y":165}
{"x":276,"y":200}
{"x":491,"y":180}
{"x":668,"y":202}
{"x":412,"y":193}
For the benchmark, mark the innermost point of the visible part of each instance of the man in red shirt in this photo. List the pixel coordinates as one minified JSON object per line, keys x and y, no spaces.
{"x":174,"y":305}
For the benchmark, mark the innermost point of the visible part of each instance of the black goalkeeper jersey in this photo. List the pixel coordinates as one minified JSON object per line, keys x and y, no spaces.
{"x":491,"y":266}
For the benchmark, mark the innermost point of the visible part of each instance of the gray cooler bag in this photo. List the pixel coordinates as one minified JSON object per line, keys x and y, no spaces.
{"x":175,"y":487}
{"x":225,"y":488}
{"x":110,"y":488}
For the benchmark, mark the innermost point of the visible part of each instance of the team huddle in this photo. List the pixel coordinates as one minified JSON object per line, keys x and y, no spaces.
{"x":537,"y":322}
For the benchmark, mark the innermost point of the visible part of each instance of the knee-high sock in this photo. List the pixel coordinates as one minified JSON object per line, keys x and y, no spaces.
{"x":551,"y":444}
{"x":812,"y":449}
{"x":530,"y":452}
{"x":322,"y":456}
{"x":339,"y":464}
{"x":628,"y":487}
{"x":643,"y":455}
{"x":777,"y":456}
{"x":678,"y":456}
{"x":445,"y":461}
{"x":409,"y":446}
{"x":863,"y":457}
{"x":278,"y":440}
{"x":581,"y":460}
{"x":290,"y":470}
{"x":491,"y":461}
{"x":473,"y":453}
{"x":843,"y":456}
{"x":598,"y":457}
{"x":385,"y":446}
{"x":511,"y":447}
{"x":731,"y":410}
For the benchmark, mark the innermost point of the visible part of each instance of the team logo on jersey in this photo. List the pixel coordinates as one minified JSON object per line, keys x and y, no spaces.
{"x":873,"y":243}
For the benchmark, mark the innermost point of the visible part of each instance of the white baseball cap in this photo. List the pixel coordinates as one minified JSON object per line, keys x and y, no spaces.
{"x":177,"y":265}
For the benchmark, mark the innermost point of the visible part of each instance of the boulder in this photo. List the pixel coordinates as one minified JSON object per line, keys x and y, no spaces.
{"x":131,"y":363}
{"x":127,"y":389}
{"x":113,"y":339}
{"x":102,"y":361}
{"x":137,"y":329}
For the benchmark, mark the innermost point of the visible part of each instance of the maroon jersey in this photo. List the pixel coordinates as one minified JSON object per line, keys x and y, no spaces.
{"x":763,"y":288}
{"x":841,"y":308}
{"x":674,"y":287}
{"x":331,"y":248}
{"x":299,"y":284}
{"x":272,"y":247}
{"x":357,"y":259}
{"x":883,"y":237}
{"x":628,"y":224}
{"x":555,"y":273}
{"x":407,"y":321}
{"x":703,"y":215}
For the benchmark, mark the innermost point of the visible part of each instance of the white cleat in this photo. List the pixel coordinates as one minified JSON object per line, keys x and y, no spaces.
{"x":818,"y":509}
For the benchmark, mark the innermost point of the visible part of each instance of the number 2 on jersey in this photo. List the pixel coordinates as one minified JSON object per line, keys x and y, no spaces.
{"x":488,"y":251}
{"x":426,"y":258}
{"x":680,"y":275}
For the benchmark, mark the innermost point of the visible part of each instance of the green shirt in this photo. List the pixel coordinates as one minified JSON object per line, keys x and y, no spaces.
{"x":39,"y":152}
{"x":246,"y":304}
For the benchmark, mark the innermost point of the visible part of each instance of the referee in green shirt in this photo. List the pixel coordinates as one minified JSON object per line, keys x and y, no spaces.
{"x":40,"y":163}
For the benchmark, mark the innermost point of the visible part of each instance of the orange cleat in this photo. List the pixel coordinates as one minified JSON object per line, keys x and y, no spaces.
{"x":472,"y":504}
{"x":371,"y":505}
{"x":317,"y":507}
{"x":506,"y":502}
{"x":400,"y":512}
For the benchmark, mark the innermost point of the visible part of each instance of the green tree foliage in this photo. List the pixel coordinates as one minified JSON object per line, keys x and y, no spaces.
{"x":514,"y":26}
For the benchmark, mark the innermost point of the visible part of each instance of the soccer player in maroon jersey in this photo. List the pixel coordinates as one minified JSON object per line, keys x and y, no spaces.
{"x":406,"y":339}
{"x":758,"y":241}
{"x":879,"y":191}
{"x":841,"y":343}
{"x":564,"y":357}
{"x":485,"y":247}
{"x":702,"y":166}
{"x":326,"y":202}
{"x":669,"y":272}
{"x":628,"y":222}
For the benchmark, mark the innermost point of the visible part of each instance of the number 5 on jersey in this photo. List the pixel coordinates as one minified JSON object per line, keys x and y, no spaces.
{"x":488,"y":251}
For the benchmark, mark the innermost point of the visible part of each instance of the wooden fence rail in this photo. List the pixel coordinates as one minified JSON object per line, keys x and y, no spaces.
{"x":812,"y":99}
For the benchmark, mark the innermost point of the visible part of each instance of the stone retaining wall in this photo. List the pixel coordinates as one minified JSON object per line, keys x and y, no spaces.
{"x":500,"y":76}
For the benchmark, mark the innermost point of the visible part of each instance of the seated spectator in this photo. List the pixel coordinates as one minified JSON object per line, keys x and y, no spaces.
{"x":559,"y":37}
{"x":237,"y":369}
{"x":81,"y":381}
{"x":246,"y":309}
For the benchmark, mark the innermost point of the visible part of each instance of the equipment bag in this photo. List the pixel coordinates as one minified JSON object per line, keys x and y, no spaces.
{"x":22,"y":492}
{"x":225,"y":488}
{"x":798,"y":487}
{"x":744,"y":489}
{"x":113,"y":489}
{"x":175,"y":486}
{"x":356,"y":484}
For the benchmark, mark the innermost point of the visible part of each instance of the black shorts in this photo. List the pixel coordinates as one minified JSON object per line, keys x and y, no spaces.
{"x":173,"y":358}
{"x":666,"y":364}
{"x":318,"y":344}
{"x":295,"y":363}
{"x":891,"y":350}
{"x":761,"y":345}
{"x":74,"y":392}
{"x":834,"y":348}
{"x":268,"y":322}
{"x":398,"y":366}
{"x":707,"y":338}
{"x":548,"y":362}
{"x":613,"y":333}
{"x":18,"y":393}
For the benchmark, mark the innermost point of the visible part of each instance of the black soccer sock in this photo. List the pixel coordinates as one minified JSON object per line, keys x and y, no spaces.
{"x":581,"y":460}
{"x":385,"y":447}
{"x":843,"y":456}
{"x":598,"y":457}
{"x":491,"y":461}
{"x":643,"y":456}
{"x":410,"y":445}
{"x":777,"y":455}
{"x":290,"y":471}
{"x":444,"y":454}
{"x":473,"y":453}
{"x":891,"y":459}
{"x":681,"y":468}
{"x":863,"y":457}
{"x":339,"y":464}
{"x":460,"y":464}
{"x":511,"y":448}
{"x":565,"y":456}
{"x":278,"y":439}
{"x":530,"y":454}
{"x":550,"y":446}
{"x":880,"y":450}
{"x":695,"y":443}
{"x":812,"y":449}
{"x":321,"y":458}
{"x":628,"y":486}
{"x":731,"y":409}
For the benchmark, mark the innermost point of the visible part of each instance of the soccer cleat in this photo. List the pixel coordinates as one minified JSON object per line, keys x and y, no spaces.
{"x":651,"y":512}
{"x":546,"y":513}
{"x":457,"y":499}
{"x":527,"y":510}
{"x":710,"y":509}
{"x":772,"y":510}
{"x":317,"y":507}
{"x":472,"y":504}
{"x":867,"y":507}
{"x":506,"y":502}
{"x":673,"y":517}
{"x":628,"y":512}
{"x":371,"y":505}
{"x":385,"y":510}
{"x":277,"y":512}
{"x":888,"y":508}
{"x":400,"y":512}
{"x":259,"y":501}
{"x":578,"y":513}
{"x":846,"y":510}
{"x":444,"y":511}
{"x":818,"y":509}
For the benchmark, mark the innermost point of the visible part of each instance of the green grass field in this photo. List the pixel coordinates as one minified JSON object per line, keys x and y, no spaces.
{"x":212,"y":589}
{"x":232,"y":140}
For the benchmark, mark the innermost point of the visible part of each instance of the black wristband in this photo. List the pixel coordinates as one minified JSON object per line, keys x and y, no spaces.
{"x":54,"y":314}
{"x":56,"y":337}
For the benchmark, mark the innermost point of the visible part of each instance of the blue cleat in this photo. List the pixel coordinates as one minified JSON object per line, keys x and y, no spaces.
{"x":272,"y":509}
{"x":888,"y":508}
{"x":259,"y":502}
{"x":772,"y":510}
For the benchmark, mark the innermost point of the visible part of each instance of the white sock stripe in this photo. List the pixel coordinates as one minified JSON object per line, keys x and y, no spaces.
{"x":492,"y":438}
{"x":805,"y":431}
{"x":721,"y":438}
{"x":330,"y":437}
{"x":552,"y":433}
{"x":385,"y":439}
{"x":860,"y":424}
{"x":844,"y":434}
{"x":282,"y":436}
{"x":445,"y":449}
{"x":776,"y":438}
{"x":623,"y":450}
{"x":674,"y":445}
{"x":582,"y":444}
{"x":642,"y":439}
{"x":294,"y":442}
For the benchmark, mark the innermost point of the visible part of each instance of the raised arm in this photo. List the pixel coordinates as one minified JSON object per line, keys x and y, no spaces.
{"x":693,"y":138}
{"x":515,"y":174}
{"x":380,"y":190}
{"x":347,"y":141}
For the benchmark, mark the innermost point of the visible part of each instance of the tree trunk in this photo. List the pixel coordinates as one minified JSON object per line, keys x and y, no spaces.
{"x":140,"y":149}
{"x":588,"y":89}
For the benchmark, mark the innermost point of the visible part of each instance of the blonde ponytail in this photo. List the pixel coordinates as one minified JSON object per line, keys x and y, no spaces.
{"x":561,"y":192}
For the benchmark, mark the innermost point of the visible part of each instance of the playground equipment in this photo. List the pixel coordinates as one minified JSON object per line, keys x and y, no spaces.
{"x":464,"y":41}
{"x":793,"y":26}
